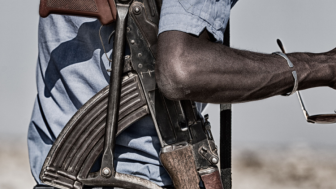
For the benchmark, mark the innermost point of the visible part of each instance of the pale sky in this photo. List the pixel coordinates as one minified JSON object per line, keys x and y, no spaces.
{"x":302,"y":25}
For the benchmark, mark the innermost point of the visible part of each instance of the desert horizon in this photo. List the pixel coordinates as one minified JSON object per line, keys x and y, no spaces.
{"x":293,"y":166}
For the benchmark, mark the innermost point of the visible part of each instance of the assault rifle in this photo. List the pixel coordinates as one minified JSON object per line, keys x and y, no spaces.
{"x":188,"y":149}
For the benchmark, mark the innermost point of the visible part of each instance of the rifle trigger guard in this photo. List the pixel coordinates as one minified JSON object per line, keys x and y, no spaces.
{"x":109,"y":41}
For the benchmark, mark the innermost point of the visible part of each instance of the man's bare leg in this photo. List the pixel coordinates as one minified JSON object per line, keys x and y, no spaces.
{"x":191,"y":67}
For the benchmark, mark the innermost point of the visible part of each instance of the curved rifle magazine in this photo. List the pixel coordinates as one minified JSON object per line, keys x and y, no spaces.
{"x":82,"y":139}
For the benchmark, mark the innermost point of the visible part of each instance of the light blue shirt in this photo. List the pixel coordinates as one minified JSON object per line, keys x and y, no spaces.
{"x":71,"y":68}
{"x":193,"y":16}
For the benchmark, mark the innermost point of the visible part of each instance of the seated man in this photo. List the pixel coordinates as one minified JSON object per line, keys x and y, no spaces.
{"x":71,"y":69}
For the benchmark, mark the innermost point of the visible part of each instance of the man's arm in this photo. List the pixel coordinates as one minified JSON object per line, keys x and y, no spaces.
{"x":191,"y":67}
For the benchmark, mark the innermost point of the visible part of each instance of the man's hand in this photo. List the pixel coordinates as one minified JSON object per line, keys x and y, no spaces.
{"x":191,"y":67}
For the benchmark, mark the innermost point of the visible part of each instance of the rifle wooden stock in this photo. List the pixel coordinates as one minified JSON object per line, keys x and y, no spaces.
{"x":104,"y":10}
{"x":181,"y":167}
{"x":211,"y":179}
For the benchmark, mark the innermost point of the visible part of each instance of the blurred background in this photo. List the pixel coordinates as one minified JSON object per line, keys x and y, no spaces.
{"x":273,"y":146}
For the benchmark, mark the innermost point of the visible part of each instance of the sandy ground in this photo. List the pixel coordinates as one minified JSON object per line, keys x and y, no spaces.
{"x":295,"y":167}
{"x":14,"y":166}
